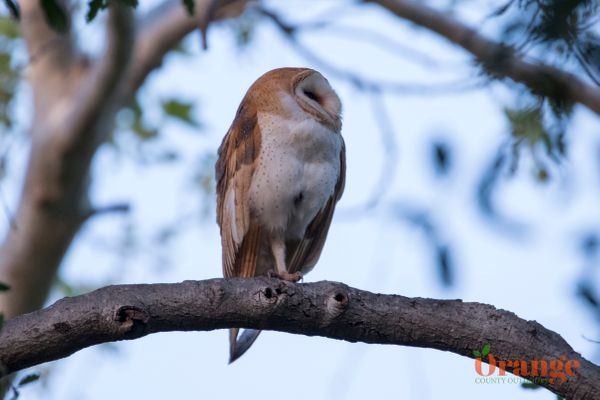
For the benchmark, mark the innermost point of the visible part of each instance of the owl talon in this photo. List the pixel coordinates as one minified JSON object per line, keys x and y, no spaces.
{"x":286,"y":276}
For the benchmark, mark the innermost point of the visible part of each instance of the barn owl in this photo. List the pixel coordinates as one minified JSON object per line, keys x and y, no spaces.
{"x":280,"y":173}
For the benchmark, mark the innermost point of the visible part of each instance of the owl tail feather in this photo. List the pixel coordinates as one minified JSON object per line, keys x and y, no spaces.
{"x":238,"y":346}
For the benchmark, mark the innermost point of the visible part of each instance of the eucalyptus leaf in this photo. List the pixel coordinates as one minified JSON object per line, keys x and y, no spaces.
{"x":55,"y":15}
{"x":94,"y":6}
{"x":189,"y":6}
{"x":28,"y":379}
{"x":180,"y":110}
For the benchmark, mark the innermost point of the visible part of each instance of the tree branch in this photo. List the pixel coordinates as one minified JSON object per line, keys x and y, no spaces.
{"x":498,"y":59}
{"x":51,"y":54}
{"x":326,"y":309}
{"x":363,"y":83}
{"x":166,"y":25}
{"x":97,"y":94}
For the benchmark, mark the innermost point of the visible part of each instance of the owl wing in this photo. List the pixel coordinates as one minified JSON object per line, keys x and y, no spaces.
{"x":240,"y":238}
{"x":304,"y":254}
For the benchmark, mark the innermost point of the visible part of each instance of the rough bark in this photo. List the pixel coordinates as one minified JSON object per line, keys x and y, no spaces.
{"x":326,"y":309}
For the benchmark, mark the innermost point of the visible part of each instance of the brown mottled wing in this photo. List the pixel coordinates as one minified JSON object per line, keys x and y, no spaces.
{"x":303,"y":255}
{"x":240,"y":238}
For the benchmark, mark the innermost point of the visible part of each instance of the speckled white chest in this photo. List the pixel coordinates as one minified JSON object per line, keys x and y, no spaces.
{"x":298,"y":168}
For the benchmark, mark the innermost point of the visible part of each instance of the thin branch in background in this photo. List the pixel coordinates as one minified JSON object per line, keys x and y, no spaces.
{"x":590,"y":340}
{"x":377,"y":39}
{"x":13,"y":9}
{"x":334,"y":13}
{"x":487,"y":186}
{"x":500,"y":10}
{"x":121,"y":208}
{"x":401,"y":88}
{"x":422,"y":220}
{"x":585,"y":64}
{"x":390,"y":160}
{"x":329,"y":21}
{"x":10,"y":217}
{"x":390,"y":151}
{"x":361,"y":83}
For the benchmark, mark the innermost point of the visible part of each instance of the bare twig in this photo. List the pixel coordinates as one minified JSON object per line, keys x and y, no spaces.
{"x":376,"y":39}
{"x":165,"y":26}
{"x":121,"y":208}
{"x":390,"y":161}
{"x":97,"y":94}
{"x":362,"y":83}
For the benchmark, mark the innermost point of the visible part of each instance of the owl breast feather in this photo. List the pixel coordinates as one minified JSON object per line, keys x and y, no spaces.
{"x":298,"y":167}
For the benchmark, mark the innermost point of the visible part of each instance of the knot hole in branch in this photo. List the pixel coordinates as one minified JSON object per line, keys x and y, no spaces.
{"x":132,"y":320}
{"x":336,"y":304}
{"x":271,"y":294}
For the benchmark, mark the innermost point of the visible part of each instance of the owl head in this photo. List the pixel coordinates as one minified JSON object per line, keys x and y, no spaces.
{"x":307,"y":87}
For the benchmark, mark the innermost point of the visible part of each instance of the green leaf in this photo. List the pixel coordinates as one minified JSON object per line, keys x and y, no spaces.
{"x":179,"y":110}
{"x":4,"y":287}
{"x":189,"y":5}
{"x":527,"y":124}
{"x":142,"y":131}
{"x":131,"y":3}
{"x":133,"y":120}
{"x":1,"y":320}
{"x":28,"y":379}
{"x":476,"y":354}
{"x":55,"y":16}
{"x":486,"y":349}
{"x":93,"y":7}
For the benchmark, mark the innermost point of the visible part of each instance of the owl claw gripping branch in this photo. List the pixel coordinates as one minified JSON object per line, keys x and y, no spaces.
{"x":286,"y":276}
{"x":280,"y":173}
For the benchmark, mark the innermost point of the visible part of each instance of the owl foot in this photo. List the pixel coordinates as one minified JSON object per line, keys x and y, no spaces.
{"x":286,"y":276}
